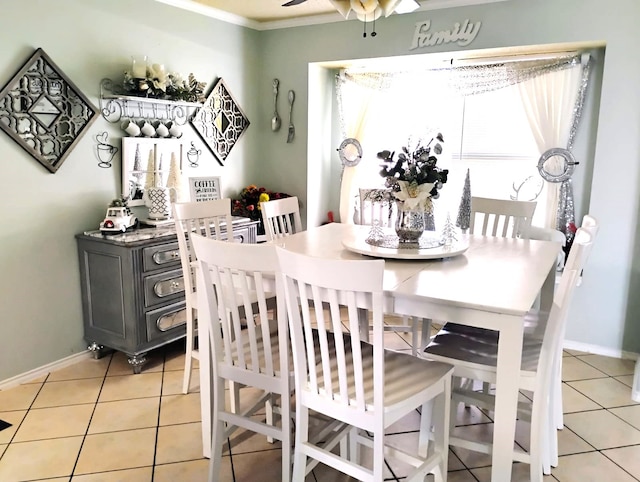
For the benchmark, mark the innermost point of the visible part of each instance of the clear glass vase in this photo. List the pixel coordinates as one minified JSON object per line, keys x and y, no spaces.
{"x":409,"y":224}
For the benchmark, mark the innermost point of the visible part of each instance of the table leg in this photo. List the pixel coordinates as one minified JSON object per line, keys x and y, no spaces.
{"x":507,"y":375}
{"x":205,"y":383}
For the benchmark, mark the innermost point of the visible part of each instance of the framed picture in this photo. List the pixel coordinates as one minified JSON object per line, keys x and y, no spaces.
{"x":44,"y":112}
{"x":220,"y":122}
{"x":151,"y":162}
{"x":205,"y":188}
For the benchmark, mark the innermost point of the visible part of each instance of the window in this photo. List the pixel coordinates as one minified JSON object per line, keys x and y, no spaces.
{"x":486,"y":133}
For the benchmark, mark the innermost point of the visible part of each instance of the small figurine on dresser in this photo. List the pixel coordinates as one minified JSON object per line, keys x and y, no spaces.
{"x":119,"y":218}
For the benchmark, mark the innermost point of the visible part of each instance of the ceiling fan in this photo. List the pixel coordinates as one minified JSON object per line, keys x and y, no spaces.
{"x":367,"y":10}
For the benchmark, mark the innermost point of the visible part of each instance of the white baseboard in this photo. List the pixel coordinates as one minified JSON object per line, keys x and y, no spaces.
{"x":44,"y":370}
{"x":600,"y":350}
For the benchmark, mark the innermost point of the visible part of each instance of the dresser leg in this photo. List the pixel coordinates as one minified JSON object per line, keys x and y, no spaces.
{"x":136,"y":361}
{"x":97,"y":351}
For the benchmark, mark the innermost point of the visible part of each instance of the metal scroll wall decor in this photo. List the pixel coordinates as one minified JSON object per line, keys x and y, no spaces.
{"x":220,"y":122}
{"x":44,"y":112}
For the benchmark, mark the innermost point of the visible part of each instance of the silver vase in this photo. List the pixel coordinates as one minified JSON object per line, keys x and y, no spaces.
{"x":409,"y":224}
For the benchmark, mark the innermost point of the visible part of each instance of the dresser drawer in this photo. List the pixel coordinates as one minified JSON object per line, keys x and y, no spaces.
{"x":166,"y":322}
{"x":162,"y":287}
{"x":156,"y":257}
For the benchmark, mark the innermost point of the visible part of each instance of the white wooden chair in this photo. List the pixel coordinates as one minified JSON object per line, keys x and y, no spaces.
{"x":206,"y":218}
{"x":378,"y":205}
{"x":500,"y":217}
{"x":281,"y":217}
{"x":474,"y":355}
{"x":360,"y":384}
{"x":247,"y":347}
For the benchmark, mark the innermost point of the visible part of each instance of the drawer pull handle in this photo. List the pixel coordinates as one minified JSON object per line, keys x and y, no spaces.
{"x":163,"y":257}
{"x":168,"y":287}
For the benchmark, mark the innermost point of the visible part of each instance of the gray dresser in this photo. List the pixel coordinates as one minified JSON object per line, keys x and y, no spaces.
{"x":133,"y":289}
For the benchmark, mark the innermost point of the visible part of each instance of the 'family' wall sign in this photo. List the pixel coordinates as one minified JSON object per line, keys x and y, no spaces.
{"x":461,"y":34}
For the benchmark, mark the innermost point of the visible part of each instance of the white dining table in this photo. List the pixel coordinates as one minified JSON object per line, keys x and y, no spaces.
{"x":493,"y":284}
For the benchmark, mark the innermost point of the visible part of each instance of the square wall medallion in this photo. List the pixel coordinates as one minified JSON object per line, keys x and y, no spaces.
{"x":44,"y":112}
{"x":220,"y":121}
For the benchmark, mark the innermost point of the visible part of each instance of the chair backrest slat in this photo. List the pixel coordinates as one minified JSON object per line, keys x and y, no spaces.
{"x":281,"y":217}
{"x":501,"y":217}
{"x":207,"y":218}
{"x":330,"y":360}
{"x":377,"y":205}
{"x":233,"y":274}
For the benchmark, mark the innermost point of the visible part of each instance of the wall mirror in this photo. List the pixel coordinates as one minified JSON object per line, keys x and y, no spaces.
{"x":44,"y":112}
{"x":147,"y":162}
{"x":220,"y":122}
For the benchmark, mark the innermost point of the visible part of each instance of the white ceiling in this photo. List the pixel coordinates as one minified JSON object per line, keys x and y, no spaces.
{"x":270,"y":14}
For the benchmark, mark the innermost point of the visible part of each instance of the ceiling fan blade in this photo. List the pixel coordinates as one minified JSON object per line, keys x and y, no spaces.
{"x":291,"y":3}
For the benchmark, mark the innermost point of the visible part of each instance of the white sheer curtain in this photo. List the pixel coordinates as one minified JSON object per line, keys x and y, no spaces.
{"x":549,"y":101}
{"x":356,"y":103}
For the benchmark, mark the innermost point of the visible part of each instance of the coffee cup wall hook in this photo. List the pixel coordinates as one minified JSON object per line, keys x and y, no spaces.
{"x":105,"y":151}
{"x":193,"y":155}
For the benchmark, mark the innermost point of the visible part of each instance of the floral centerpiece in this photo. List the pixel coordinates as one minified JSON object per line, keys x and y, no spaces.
{"x":159,"y":85}
{"x":248,"y":205}
{"x":414,"y":178}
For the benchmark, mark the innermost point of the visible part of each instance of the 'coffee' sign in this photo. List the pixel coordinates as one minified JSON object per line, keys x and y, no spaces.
{"x":461,"y":34}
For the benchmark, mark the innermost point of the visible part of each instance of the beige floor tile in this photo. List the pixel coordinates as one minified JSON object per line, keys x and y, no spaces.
{"x":172,"y":382}
{"x":569,"y":443}
{"x":116,"y":451}
{"x":125,"y":415}
{"x":245,"y":441}
{"x":611,"y":366}
{"x":174,"y":361}
{"x":626,"y":457}
{"x":460,"y":476}
{"x":40,"y":379}
{"x":574,"y":401}
{"x":72,"y":392}
{"x":455,"y":463}
{"x":519,"y":473}
{"x":479,"y":433}
{"x":120,"y":365}
{"x":470,"y":415}
{"x":179,"y":443}
{"x":607,"y":392}
{"x":602,"y":429}
{"x":259,"y":466}
{"x":126,"y":387}
{"x":143,"y":474}
{"x":575,"y":352}
{"x":575,"y":369}
{"x":175,"y":409}
{"x":89,"y":368}
{"x":630,"y":415}
{"x":192,"y":471}
{"x":45,"y":423}
{"x":589,"y":467}
{"x":626,"y":379}
{"x":3,"y":447}
{"x":14,"y":418}
{"x":19,"y":398}
{"x":40,"y":459}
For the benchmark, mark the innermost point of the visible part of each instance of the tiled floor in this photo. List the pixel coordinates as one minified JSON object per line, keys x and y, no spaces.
{"x":96,"y":421}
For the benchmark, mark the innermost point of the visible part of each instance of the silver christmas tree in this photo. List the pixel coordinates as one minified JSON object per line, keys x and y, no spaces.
{"x":449,"y":232}
{"x":464,"y":211}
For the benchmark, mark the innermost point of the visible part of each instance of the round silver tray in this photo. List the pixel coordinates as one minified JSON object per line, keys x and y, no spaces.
{"x":426,"y":248}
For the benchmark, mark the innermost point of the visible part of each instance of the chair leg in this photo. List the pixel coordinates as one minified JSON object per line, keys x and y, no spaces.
{"x":302,"y":437}
{"x":285,"y":411}
{"x":218,"y":431}
{"x":426,"y":417}
{"x":188,"y":355}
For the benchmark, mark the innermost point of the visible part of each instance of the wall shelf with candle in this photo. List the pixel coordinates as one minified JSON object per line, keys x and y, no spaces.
{"x":117,"y":105}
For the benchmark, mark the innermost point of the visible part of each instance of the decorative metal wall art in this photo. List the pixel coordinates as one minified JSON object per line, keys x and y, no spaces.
{"x":44,"y":112}
{"x":220,"y":121}
{"x":105,"y":151}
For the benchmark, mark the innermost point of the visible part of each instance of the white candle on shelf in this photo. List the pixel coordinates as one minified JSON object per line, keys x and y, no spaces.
{"x":139,"y":67}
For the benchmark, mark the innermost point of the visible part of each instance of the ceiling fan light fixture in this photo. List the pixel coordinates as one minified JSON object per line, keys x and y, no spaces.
{"x":388,"y":6}
{"x":407,"y":6}
{"x":364,"y":7}
{"x":342,"y":6}
{"x":370,"y":17}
